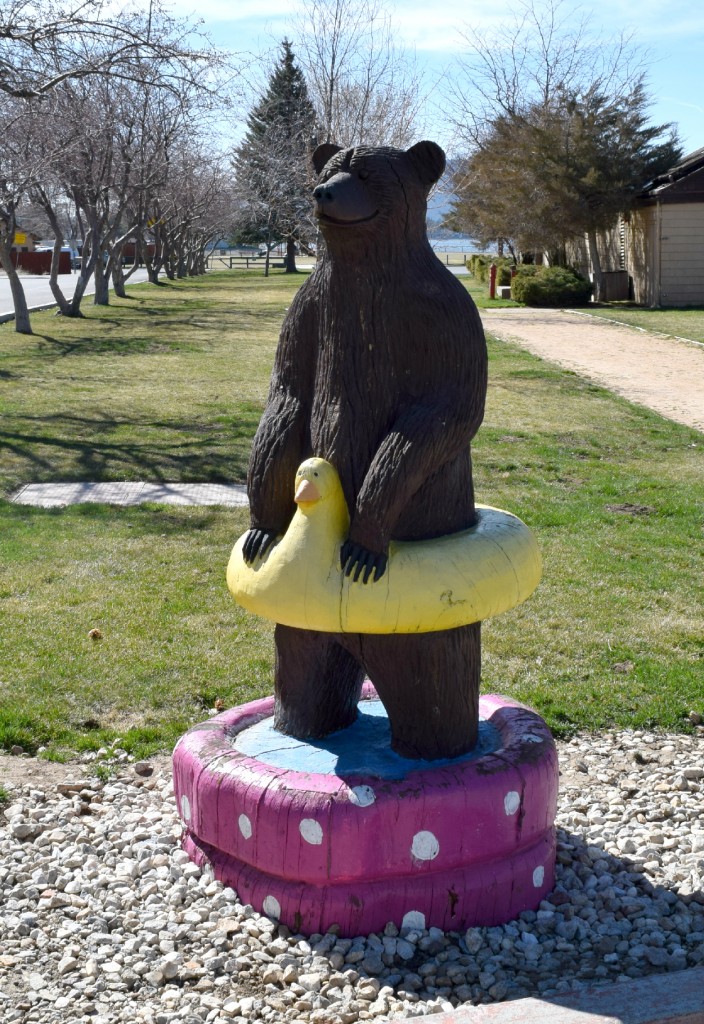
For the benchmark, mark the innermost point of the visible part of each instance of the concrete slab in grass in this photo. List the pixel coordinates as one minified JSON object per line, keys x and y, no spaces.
{"x":60,"y":494}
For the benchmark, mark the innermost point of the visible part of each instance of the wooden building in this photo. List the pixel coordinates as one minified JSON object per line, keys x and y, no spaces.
{"x":655,"y":254}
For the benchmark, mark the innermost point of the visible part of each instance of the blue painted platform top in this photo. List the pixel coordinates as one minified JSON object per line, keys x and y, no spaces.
{"x":364,"y":748}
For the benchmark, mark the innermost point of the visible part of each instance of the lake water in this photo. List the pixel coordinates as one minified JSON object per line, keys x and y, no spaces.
{"x":458,"y":244}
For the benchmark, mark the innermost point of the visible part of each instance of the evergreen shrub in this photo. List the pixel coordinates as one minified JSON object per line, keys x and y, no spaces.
{"x":503,"y":272}
{"x":550,"y":286}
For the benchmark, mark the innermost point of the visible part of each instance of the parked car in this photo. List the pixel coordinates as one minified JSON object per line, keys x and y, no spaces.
{"x":73,"y":253}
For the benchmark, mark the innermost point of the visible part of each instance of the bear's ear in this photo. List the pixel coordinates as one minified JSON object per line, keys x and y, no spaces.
{"x":429,"y":160}
{"x":323,"y":154}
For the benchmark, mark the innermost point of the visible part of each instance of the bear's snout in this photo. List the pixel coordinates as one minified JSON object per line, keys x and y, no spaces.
{"x":343,"y":200}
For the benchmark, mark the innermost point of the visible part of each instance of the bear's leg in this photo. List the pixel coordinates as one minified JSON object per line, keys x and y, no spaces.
{"x":317,"y":683}
{"x":429,"y":685}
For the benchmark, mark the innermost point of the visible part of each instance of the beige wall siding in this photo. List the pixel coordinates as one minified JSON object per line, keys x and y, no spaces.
{"x":577,"y":253}
{"x":609,"y":245}
{"x":682,"y":256}
{"x":641,"y":254}
{"x":665,"y":254}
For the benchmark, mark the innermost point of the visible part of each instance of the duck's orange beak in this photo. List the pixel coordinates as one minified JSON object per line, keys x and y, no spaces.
{"x":306,"y":492}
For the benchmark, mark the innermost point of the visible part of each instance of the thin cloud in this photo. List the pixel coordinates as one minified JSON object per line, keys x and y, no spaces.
{"x":229,"y":11}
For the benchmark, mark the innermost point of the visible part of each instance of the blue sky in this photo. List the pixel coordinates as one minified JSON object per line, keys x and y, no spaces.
{"x":672,"y":32}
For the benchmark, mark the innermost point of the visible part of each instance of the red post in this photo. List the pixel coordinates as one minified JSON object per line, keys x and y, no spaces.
{"x":492,"y":281}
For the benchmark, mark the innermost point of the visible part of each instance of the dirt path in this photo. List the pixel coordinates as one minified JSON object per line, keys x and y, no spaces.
{"x":662,"y":373}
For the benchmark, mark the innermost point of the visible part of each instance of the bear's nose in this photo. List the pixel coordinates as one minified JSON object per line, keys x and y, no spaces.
{"x":322,"y":194}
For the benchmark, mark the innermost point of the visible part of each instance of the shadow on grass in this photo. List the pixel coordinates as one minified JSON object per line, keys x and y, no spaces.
{"x":100,"y":344}
{"x":148,"y":519}
{"x":156,"y":451}
{"x":169,"y":329}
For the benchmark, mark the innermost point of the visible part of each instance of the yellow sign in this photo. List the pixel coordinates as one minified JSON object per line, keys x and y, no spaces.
{"x":20,"y":238}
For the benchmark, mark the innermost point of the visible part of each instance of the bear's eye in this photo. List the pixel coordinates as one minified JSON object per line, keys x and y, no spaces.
{"x":363,"y":175}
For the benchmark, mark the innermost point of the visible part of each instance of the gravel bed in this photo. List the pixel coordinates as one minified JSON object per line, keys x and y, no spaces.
{"x":104,"y":919}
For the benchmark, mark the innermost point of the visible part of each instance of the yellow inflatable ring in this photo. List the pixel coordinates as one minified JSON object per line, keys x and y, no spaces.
{"x":428,"y":585}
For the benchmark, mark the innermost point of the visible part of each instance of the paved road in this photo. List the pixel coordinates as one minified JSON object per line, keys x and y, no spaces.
{"x":659,"y":372}
{"x":36,"y":288}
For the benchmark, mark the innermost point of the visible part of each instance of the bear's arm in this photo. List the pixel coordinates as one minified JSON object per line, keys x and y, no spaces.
{"x":426,"y":434}
{"x":282,"y":442}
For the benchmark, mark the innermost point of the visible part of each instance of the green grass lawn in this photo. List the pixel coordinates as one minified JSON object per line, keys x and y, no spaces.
{"x":169,"y":385}
{"x":678,"y":323}
{"x":480,"y":293}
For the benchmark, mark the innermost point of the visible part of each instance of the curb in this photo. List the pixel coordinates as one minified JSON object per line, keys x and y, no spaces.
{"x":6,"y":317}
{"x":633,"y":327}
{"x":676,"y":998}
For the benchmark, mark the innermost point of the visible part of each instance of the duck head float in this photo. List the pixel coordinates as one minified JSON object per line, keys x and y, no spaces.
{"x":428,"y":585}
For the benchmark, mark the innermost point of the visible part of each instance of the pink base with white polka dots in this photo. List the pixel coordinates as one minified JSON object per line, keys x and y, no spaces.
{"x":449,"y":844}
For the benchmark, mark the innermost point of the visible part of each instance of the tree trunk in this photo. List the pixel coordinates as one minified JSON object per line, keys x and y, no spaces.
{"x":118,"y":281}
{"x":61,"y":300}
{"x":19,"y":300}
{"x":290,"y":258}
{"x":65,"y":306}
{"x":91,"y":253}
{"x":117,"y":271}
{"x":268,"y":244}
{"x":74,"y":309}
{"x":102,"y":289}
{"x":599,"y":282}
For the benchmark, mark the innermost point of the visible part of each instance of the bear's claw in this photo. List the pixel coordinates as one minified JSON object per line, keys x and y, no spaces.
{"x":357,"y":559}
{"x":257,"y":543}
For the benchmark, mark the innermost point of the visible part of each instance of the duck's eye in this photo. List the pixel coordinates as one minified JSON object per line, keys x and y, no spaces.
{"x":363,"y":175}
{"x":315,"y":474}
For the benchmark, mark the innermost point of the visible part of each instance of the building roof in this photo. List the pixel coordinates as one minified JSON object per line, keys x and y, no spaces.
{"x":672,"y":181}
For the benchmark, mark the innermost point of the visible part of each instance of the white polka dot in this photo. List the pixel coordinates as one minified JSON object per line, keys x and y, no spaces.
{"x":185,"y":808}
{"x":512,"y":801}
{"x":245,"y":826}
{"x":311,"y":831}
{"x":362,"y":796}
{"x":272,"y":907}
{"x":425,"y":846}
{"x":414,"y":919}
{"x":538,"y":876}
{"x":532,"y":738}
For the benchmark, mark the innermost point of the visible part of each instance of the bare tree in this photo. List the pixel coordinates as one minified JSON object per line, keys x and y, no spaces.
{"x":46,"y":52}
{"x":364,"y":87}
{"x":196,"y":212}
{"x":22,"y":160}
{"x":544,"y":48}
{"x":44,"y":43}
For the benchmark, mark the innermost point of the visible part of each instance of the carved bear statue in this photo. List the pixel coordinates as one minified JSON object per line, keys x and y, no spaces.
{"x":381,"y":370}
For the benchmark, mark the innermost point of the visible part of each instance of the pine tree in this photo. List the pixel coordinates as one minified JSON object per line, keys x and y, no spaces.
{"x":562,"y":169}
{"x":272,"y":164}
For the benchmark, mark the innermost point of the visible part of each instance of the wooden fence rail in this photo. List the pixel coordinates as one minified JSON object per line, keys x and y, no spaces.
{"x":234,"y":262}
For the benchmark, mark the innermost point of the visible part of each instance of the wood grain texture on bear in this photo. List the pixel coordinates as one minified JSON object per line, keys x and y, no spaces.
{"x":380,"y":370}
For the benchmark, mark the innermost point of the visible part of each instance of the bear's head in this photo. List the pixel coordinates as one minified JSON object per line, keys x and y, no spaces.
{"x":370,"y":194}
